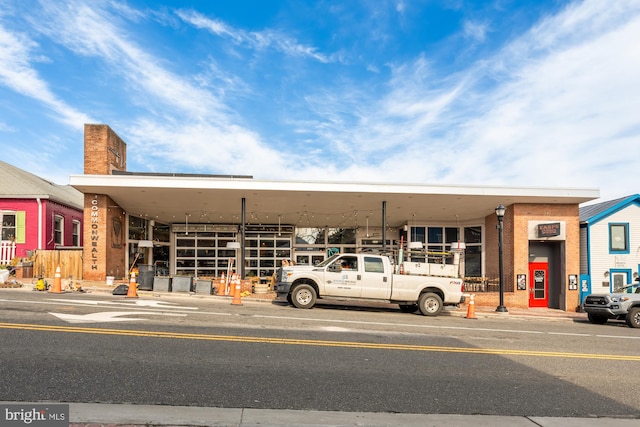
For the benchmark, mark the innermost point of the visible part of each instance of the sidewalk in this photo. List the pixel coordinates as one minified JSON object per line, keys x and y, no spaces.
{"x":93,"y":415}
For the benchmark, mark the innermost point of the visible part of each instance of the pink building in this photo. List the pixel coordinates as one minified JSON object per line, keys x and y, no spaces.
{"x":36,"y":214}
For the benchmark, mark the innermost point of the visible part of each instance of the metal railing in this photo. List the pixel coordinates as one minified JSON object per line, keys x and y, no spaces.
{"x":484,"y":284}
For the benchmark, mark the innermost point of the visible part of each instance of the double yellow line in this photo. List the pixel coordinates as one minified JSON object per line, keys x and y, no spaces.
{"x":321,"y":343}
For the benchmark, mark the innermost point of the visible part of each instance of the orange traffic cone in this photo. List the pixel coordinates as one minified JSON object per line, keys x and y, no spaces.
{"x":471,"y":309}
{"x":237,"y":295}
{"x":222,"y":287}
{"x":56,"y":288}
{"x":232,"y":286}
{"x":132,"y":292}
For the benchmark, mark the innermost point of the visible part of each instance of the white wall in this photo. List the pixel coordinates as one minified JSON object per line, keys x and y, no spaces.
{"x":600,"y":258}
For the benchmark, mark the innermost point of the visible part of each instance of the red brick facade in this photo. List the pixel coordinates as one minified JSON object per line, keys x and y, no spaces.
{"x":516,"y":252}
{"x":105,"y":242}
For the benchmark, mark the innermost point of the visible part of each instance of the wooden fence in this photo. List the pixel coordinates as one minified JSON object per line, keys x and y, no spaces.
{"x":46,"y":262}
{"x":7,"y":252}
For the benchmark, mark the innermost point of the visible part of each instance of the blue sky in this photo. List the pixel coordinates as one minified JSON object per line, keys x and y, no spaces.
{"x":537,"y":93}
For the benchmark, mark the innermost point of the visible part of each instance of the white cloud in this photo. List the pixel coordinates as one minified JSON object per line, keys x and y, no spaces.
{"x":556,"y":107}
{"x":561,"y":103}
{"x":475,"y":30}
{"x":90,"y":30}
{"x":17,"y":74}
{"x":254,"y":39}
{"x":5,"y":127}
{"x":181,"y":122}
{"x":203,"y":146}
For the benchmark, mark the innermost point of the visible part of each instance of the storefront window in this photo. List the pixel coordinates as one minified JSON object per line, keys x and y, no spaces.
{"x":473,"y":251}
{"x":473,"y":261}
{"x":435,"y":235}
{"x":137,"y":228}
{"x":451,"y":234}
{"x":161,"y":232}
{"x":341,"y":236}
{"x":310,"y":236}
{"x":472,"y":235}
{"x":437,"y":242}
{"x":418,"y":234}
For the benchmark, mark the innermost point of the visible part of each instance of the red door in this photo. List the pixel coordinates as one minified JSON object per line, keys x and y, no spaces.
{"x":539,"y":284}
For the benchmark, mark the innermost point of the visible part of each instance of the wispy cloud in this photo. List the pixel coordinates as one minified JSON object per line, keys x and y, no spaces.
{"x":557,"y":102}
{"x":181,"y":120}
{"x":254,"y":39}
{"x":4,"y":127}
{"x":91,"y":30}
{"x":18,"y":74}
{"x":548,"y":109}
{"x":475,"y":31}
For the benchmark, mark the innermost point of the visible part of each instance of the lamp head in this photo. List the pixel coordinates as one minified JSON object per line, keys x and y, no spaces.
{"x":500,"y":210}
{"x":145,"y":244}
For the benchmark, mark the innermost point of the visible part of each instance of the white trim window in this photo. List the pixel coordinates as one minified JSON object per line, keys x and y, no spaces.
{"x":76,"y":232}
{"x":58,"y":230}
{"x":619,"y":238}
{"x":8,"y":225}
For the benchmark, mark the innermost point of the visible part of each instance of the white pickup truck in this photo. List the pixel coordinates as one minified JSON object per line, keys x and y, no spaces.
{"x":366,"y":277}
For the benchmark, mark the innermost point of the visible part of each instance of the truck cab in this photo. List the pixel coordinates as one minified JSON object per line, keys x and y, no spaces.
{"x":343,"y":276}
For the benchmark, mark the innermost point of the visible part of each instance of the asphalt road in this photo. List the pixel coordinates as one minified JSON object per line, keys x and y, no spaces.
{"x":206,"y":352}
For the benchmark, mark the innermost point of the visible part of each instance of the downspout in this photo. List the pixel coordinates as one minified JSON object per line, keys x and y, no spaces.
{"x":242,"y":238}
{"x":40,"y":234}
{"x":384,"y":228}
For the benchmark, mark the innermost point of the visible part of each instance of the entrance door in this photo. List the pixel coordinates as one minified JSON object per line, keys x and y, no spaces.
{"x":539,"y":285}
{"x":619,"y":279}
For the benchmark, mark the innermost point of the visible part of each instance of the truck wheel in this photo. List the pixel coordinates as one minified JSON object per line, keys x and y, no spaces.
{"x":303,"y":296}
{"x":408,"y":308}
{"x":597,"y":319}
{"x":430,"y":304}
{"x":633,"y":317}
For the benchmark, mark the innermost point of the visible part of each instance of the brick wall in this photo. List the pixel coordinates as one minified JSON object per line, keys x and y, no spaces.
{"x":105,"y":242}
{"x":104,"y":150}
{"x":570,"y":253}
{"x":516,"y":252}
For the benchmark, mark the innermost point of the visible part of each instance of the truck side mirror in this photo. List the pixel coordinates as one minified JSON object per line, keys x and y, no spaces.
{"x":334,"y":268}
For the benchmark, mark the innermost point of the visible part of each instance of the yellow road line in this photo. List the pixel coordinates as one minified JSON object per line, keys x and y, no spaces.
{"x":321,"y":343}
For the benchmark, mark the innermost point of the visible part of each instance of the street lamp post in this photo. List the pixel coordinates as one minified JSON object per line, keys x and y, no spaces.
{"x":500,"y":210}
